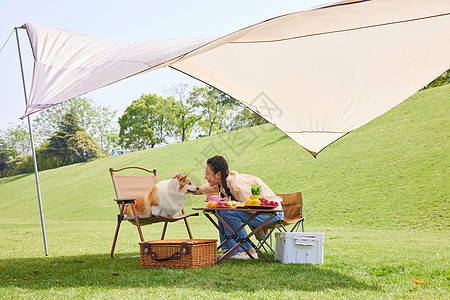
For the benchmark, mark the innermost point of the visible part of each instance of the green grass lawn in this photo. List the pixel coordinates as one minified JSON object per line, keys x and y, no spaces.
{"x":380,"y":194}
{"x":366,"y":263}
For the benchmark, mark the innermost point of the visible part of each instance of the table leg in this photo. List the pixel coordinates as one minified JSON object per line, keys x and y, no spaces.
{"x":256,"y":230}
{"x":248,"y":221}
{"x":219,"y":229}
{"x":233,"y":236}
{"x":247,"y":238}
{"x":225,"y":223}
{"x":236,"y":238}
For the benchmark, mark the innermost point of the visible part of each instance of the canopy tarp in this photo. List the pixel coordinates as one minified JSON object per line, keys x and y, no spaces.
{"x":316,"y":74}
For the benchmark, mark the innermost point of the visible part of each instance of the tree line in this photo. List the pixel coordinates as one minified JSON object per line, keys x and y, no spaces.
{"x":74,"y":131}
{"x":79,"y":130}
{"x":441,"y":80}
{"x":191,"y":112}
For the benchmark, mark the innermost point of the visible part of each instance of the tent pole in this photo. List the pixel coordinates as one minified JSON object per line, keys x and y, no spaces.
{"x":32,"y":148}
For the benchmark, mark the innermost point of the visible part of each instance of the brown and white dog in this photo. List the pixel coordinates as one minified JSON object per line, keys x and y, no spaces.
{"x":166,"y":198}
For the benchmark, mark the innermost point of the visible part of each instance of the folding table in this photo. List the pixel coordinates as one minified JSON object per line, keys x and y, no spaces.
{"x":257,"y":211}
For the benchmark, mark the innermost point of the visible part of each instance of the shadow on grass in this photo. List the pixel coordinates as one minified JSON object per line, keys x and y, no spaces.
{"x":273,"y":142}
{"x":231,"y":275}
{"x":6,"y":180}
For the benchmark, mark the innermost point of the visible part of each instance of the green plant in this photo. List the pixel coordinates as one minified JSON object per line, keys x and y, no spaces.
{"x":255,"y":190}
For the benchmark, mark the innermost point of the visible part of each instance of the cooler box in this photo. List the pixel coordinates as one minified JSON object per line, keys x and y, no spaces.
{"x":299,"y":247}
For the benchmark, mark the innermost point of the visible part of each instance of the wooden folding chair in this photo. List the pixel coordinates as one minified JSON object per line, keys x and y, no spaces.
{"x":130,"y":188}
{"x":293,"y":214}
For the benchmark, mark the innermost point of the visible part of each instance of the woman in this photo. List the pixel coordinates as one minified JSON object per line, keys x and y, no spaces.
{"x":233,"y":186}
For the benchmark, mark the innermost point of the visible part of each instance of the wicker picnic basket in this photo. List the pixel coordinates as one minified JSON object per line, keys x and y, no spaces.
{"x":178,"y":253}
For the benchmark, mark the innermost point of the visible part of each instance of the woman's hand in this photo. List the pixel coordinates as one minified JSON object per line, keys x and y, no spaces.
{"x":223,"y":199}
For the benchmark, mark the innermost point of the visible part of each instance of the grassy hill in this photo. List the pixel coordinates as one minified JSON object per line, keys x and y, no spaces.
{"x":390,"y":173}
{"x":380,"y":194}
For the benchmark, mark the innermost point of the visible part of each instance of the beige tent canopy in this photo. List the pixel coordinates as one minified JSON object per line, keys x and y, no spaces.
{"x":315,"y":74}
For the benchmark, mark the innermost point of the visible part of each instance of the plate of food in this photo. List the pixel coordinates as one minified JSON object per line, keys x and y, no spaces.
{"x":224,"y":204}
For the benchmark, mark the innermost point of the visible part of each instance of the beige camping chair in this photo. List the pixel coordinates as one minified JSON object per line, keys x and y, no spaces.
{"x":293,"y":214}
{"x":130,"y":188}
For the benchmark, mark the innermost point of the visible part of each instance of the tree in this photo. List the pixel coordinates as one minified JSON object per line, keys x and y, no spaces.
{"x":17,"y":139}
{"x":98,"y":121}
{"x":213,"y":106}
{"x":59,"y":143}
{"x":22,"y":164}
{"x":186,"y":117}
{"x":107,"y":129}
{"x":71,"y":144}
{"x":247,"y":118}
{"x":444,"y":78}
{"x":84,"y":147}
{"x":6,"y":157}
{"x":148,"y":121}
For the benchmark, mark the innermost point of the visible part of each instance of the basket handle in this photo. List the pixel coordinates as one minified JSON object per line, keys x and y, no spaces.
{"x":177,"y":255}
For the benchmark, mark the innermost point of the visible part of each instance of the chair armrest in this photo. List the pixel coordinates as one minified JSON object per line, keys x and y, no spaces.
{"x":125,"y":200}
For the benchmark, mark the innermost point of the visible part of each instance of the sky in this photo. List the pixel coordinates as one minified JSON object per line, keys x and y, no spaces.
{"x":132,"y":21}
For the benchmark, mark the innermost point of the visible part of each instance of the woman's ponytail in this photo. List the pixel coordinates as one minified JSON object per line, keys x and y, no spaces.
{"x":225,"y":186}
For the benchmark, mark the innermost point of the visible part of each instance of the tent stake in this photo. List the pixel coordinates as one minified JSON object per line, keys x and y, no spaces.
{"x":32,"y":148}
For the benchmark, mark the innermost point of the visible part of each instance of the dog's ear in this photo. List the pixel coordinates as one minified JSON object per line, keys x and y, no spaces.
{"x":183,"y":178}
{"x":177,"y":176}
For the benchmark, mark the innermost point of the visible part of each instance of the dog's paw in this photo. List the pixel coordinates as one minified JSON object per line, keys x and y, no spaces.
{"x":156,"y":210}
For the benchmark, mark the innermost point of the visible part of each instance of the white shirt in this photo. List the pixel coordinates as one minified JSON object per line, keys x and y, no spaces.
{"x":240,"y":188}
